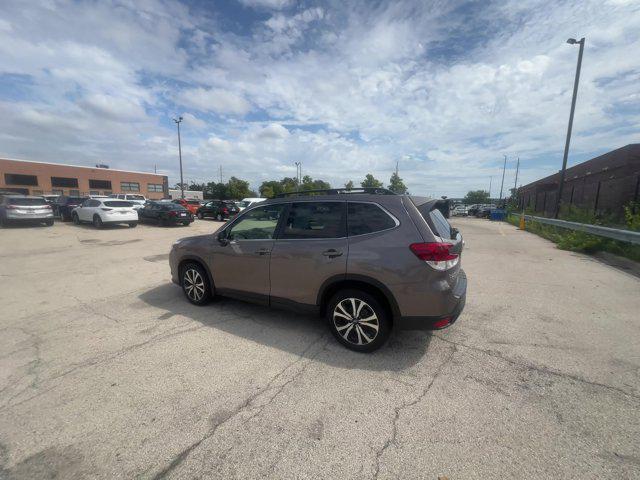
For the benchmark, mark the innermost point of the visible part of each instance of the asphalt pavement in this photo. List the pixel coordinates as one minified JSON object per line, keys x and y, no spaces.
{"x":107,"y":372}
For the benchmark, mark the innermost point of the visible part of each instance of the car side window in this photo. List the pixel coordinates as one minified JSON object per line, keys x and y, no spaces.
{"x":259,"y":224}
{"x":315,"y":220}
{"x":365,"y":218}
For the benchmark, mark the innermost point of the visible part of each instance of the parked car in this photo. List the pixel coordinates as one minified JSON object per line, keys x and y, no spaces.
{"x":241,"y":204}
{"x":485,"y":211}
{"x":219,"y":209}
{"x":135,"y":198}
{"x":165,"y":213}
{"x":459,"y":211}
{"x":50,"y":199}
{"x":190,"y":204}
{"x":250,"y":201}
{"x":23,"y":208}
{"x":64,"y":206}
{"x":366,"y":261}
{"x":101,"y":211}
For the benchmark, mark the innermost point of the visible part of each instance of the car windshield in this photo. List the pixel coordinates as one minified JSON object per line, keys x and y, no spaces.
{"x":193,"y":202}
{"x":118,"y":203}
{"x":242,"y":204}
{"x":27,"y":201}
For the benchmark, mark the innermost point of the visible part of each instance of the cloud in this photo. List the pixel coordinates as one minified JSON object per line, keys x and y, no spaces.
{"x":267,"y":4}
{"x":214,"y":100}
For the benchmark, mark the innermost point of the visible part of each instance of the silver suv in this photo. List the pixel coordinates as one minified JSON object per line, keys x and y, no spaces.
{"x":368,"y":260}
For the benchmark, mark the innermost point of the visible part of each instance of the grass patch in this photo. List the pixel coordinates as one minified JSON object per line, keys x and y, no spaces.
{"x":577,"y":241}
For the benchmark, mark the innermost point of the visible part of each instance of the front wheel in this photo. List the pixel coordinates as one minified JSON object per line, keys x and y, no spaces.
{"x":49,"y":223}
{"x":358,"y":320}
{"x":219,"y":217}
{"x":97,"y":221}
{"x":200,"y":215}
{"x":76,"y":219}
{"x":195,"y":284}
{"x":133,"y":224}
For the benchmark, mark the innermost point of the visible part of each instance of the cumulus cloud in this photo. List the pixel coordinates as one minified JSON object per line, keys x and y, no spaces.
{"x":347,"y":88}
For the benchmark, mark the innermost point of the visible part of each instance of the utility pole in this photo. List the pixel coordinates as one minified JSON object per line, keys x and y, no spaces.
{"x":515,"y":185}
{"x":178,"y":120}
{"x":298,"y":180}
{"x":504,"y":167}
{"x":571,"y":41}
{"x":490,"y":182}
{"x":221,"y":174}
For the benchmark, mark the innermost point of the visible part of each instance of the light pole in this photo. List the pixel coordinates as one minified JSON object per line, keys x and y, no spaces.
{"x":515,"y":184}
{"x":490,"y":182}
{"x":502,"y":184}
{"x":178,"y":120}
{"x":571,"y":41}
{"x":298,"y":167}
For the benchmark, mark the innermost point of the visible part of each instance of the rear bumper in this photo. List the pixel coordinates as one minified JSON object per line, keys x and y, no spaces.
{"x":16,"y":217}
{"x":457,"y":299}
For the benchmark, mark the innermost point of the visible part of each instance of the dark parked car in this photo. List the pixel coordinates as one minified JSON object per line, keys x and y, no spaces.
{"x":165,"y":213}
{"x":485,"y":211}
{"x":218,"y":209}
{"x":64,"y":205}
{"x":23,"y":209}
{"x":368,"y":261}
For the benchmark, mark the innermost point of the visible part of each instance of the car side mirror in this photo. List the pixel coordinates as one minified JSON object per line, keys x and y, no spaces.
{"x":222,"y":238}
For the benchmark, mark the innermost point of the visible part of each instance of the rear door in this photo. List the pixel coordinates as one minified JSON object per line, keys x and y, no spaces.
{"x":311,"y":247}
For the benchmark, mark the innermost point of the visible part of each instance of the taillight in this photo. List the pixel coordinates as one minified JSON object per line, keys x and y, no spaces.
{"x":172,"y":213}
{"x":12,"y":207}
{"x":225,"y":210}
{"x":437,"y":255}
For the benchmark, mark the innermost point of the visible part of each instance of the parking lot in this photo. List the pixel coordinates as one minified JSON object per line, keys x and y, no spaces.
{"x":106,"y":371}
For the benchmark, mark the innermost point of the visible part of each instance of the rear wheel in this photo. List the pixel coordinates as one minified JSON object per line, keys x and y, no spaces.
{"x":195,"y":284}
{"x":97,"y":221}
{"x":133,"y":224}
{"x":49,"y":223}
{"x":219,"y":217}
{"x":200,"y":215}
{"x":358,"y":320}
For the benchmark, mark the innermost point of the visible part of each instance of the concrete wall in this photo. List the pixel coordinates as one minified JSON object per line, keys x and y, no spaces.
{"x":80,"y":179}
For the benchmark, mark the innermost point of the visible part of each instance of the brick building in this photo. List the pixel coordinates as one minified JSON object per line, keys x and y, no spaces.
{"x":39,"y":178}
{"x":603,"y":184}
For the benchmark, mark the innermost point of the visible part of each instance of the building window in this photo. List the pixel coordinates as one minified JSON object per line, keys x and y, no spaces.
{"x":15,"y":179}
{"x":155,"y":187}
{"x":74,"y":193}
{"x":94,"y":192}
{"x":130,"y":186}
{"x":57,"y":192}
{"x":64,"y":182}
{"x":100,"y":184}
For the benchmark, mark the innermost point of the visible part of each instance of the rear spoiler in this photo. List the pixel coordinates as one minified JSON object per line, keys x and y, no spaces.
{"x":444,"y":205}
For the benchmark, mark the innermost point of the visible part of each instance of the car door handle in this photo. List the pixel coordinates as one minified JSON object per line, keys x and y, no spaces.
{"x":331,"y":253}
{"x":263,"y":251}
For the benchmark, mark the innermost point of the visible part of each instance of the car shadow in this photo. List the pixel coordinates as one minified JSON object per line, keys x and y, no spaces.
{"x":289,"y":332}
{"x":89,"y":226}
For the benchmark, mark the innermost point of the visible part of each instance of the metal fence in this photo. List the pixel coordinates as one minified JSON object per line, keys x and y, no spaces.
{"x":614,"y":233}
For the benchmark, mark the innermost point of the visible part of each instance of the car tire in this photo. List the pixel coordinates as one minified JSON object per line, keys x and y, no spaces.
{"x":162,"y":222}
{"x":195,"y":284}
{"x":200,"y":216}
{"x":63,"y":217}
{"x":133,"y":224}
{"x":219,"y":218}
{"x":76,"y":219}
{"x":186,"y":224}
{"x":358,"y":335}
{"x":97,"y":221}
{"x":49,"y":223}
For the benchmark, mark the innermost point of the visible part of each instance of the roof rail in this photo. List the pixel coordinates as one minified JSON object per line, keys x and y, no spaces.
{"x":338,"y":191}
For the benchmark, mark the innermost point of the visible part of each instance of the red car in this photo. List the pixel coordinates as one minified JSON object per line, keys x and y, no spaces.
{"x":190,"y":204}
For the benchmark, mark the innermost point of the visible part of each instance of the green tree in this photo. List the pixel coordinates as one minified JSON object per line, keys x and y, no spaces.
{"x":349,"y":185}
{"x":396,"y":184}
{"x":309,"y":183}
{"x":217,"y":190}
{"x":238,"y":189}
{"x":270,"y":188}
{"x":371,"y":182}
{"x":197,"y":187}
{"x":476,"y":196}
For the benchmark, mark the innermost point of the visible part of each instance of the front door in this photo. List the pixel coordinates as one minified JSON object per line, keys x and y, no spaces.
{"x":241,"y":263}
{"x":311,"y":247}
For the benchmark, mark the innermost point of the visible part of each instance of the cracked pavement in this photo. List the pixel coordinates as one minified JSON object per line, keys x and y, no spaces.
{"x":107,"y":372}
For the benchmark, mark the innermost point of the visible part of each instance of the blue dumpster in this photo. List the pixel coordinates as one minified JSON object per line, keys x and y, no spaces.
{"x":498,"y":214}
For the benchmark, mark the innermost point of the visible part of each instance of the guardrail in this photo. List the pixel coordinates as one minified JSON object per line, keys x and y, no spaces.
{"x":614,"y":233}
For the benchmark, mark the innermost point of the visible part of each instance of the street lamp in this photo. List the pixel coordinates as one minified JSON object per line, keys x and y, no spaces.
{"x":178,"y":120}
{"x":571,"y":41}
{"x":298,"y":172}
{"x":504,"y":167}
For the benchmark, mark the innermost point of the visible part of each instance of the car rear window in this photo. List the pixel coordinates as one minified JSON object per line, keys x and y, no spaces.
{"x":173,"y":206}
{"x":440,"y":224}
{"x":135,"y":197}
{"x":367,"y":218}
{"x":118,"y":203}
{"x":27,"y":201}
{"x":193,"y":202}
{"x":315,"y":220}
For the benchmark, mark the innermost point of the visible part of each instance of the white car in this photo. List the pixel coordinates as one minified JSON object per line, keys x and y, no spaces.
{"x":459,"y":210}
{"x":135,"y":198}
{"x":249,"y":202}
{"x":101,"y":211}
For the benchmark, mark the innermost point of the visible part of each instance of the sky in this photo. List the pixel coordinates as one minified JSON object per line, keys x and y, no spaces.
{"x":444,"y":89}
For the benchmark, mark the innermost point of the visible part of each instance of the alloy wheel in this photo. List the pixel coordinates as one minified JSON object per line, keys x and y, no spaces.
{"x":194,"y":284}
{"x":356,"y":321}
